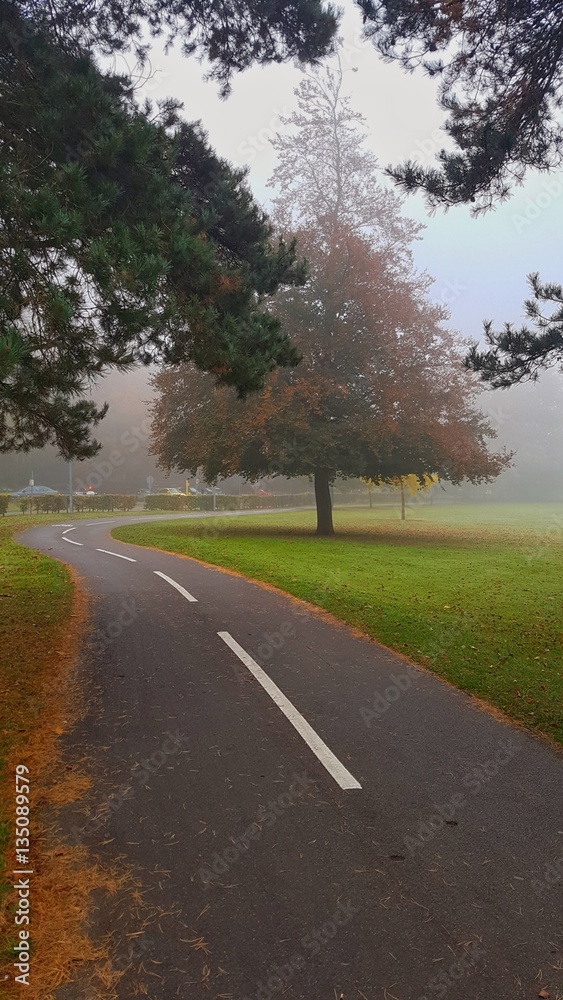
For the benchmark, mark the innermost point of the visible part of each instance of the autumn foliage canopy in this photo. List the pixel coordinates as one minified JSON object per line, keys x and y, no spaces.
{"x":380,"y":391}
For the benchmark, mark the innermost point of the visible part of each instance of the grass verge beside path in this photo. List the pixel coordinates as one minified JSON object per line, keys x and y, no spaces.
{"x":41,"y":617}
{"x":475,"y":593}
{"x":35,"y":605}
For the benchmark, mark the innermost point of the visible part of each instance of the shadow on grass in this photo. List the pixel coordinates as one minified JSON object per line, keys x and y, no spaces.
{"x":417,"y":533}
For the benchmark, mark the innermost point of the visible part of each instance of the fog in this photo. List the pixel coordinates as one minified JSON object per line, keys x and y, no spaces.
{"x":527,"y":419}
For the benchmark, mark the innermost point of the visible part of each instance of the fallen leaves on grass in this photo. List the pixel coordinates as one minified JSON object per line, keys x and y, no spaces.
{"x":65,"y":876}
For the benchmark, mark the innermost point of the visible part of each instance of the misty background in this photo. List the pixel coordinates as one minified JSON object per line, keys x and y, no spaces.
{"x":479,"y":265}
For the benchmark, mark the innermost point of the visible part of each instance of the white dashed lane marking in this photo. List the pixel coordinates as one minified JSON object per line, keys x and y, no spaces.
{"x":116,"y":554}
{"x":184,"y":593}
{"x":337,"y":770}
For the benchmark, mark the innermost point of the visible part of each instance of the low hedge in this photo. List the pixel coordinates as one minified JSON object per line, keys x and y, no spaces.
{"x":167,"y":501}
{"x":54,"y":503}
{"x":49,"y":503}
{"x":43,"y":504}
{"x":105,"y":502}
{"x":109,"y":502}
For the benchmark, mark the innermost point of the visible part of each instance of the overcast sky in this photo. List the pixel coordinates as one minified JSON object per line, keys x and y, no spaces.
{"x":479,"y":265}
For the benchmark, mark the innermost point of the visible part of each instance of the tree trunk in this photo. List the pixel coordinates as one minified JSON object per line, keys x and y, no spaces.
{"x":403,"y":512}
{"x":324,"y":502}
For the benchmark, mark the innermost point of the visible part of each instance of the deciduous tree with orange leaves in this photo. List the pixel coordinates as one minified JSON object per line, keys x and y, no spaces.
{"x":381,"y":390}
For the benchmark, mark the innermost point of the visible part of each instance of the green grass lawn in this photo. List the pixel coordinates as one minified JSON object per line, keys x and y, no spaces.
{"x":35,"y":604}
{"x":473,"y":592}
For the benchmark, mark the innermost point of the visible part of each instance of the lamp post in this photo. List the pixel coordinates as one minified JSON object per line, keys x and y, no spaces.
{"x":70,"y":497}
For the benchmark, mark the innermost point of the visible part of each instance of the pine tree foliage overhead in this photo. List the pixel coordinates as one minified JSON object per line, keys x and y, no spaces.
{"x":499,"y":64}
{"x":123,"y":237}
{"x":500,"y":71}
{"x":519,"y":355}
{"x":230,"y":34}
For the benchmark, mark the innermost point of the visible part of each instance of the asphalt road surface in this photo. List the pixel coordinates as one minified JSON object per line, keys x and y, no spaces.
{"x":310,"y":816}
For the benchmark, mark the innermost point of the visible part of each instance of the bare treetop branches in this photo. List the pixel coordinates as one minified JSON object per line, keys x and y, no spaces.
{"x":328,"y":178}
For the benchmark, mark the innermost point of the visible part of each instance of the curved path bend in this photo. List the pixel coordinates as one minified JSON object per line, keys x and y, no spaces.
{"x":312,"y":817}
